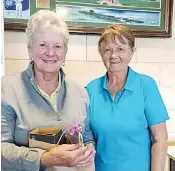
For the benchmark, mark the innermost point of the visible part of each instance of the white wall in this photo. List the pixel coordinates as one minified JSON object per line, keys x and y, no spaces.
{"x":155,"y":57}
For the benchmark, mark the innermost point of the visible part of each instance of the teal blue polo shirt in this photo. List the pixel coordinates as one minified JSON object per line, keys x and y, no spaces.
{"x":121,"y":126}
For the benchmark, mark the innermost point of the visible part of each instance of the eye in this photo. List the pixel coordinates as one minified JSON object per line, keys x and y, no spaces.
{"x":107,"y":50}
{"x":120,"y":49}
{"x":43,"y":45}
{"x":58,"y":47}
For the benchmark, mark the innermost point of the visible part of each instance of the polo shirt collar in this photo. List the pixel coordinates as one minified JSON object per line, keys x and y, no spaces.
{"x":129,"y":84}
{"x":131,"y":80}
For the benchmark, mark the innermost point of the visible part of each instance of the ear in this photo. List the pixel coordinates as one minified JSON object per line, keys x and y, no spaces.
{"x":133,"y":51}
{"x":29,"y":51}
{"x":29,"y":48}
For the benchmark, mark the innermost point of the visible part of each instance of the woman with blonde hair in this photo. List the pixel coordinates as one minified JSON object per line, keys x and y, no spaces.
{"x":42,"y":96}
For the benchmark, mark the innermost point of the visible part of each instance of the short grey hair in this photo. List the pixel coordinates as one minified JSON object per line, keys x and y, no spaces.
{"x":48,"y":19}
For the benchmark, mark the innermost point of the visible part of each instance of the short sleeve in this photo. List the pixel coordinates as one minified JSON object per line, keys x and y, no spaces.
{"x":155,"y":109}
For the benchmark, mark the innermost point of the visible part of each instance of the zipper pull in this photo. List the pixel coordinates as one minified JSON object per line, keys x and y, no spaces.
{"x":58,"y":116}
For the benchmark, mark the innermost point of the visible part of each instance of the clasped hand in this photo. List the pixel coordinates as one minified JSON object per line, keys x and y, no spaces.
{"x":69,"y":155}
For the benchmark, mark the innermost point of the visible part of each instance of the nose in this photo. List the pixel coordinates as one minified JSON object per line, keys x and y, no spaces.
{"x":114,"y":53}
{"x":50,"y":51}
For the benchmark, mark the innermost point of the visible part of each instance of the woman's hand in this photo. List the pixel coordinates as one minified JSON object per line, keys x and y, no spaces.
{"x":69,"y":155}
{"x":90,"y":159}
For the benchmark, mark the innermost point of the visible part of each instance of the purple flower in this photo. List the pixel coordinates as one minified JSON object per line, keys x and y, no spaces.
{"x":75,"y":129}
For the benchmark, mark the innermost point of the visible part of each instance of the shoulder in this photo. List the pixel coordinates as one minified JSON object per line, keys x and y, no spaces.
{"x":95,"y":84}
{"x":146,"y":83}
{"x":10,"y":86}
{"x":147,"y":79}
{"x":144,"y":79}
{"x":10,"y":81}
{"x":14,"y":85}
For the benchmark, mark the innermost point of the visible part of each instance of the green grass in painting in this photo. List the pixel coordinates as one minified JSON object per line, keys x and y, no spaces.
{"x":136,"y":3}
{"x":140,"y":3}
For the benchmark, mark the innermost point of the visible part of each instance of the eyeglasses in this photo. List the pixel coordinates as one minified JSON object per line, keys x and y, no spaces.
{"x":119,"y":50}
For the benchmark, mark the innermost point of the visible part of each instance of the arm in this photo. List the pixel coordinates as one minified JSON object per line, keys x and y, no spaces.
{"x":88,"y":136}
{"x":69,"y":155}
{"x":14,"y":157}
{"x":22,"y":158}
{"x":156,"y":115}
{"x":159,"y":146}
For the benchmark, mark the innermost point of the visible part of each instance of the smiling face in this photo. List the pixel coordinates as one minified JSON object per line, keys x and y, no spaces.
{"x":47,"y":50}
{"x":116,"y":55}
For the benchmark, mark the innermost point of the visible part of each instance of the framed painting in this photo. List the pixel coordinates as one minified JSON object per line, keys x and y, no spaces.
{"x":146,"y":18}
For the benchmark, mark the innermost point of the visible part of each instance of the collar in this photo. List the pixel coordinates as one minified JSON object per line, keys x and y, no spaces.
{"x":129,"y":84}
{"x":30,"y":74}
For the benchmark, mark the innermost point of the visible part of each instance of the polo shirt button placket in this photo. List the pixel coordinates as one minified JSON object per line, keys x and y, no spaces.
{"x":115,"y":106}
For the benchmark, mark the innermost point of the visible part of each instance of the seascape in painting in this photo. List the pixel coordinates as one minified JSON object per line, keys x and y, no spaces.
{"x":133,"y":3}
{"x":80,"y":14}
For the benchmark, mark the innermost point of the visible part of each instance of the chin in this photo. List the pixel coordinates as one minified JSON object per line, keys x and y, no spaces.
{"x":113,"y":70}
{"x":50,"y":70}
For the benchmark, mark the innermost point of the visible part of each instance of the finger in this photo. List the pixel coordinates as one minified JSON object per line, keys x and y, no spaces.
{"x":70,"y":147}
{"x":79,"y":151}
{"x":82,"y":165}
{"x":89,"y":164}
{"x":82,"y":157}
{"x":64,"y":147}
{"x":90,"y":158}
{"x":90,"y":146}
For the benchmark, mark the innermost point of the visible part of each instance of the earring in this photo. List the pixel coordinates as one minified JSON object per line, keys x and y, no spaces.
{"x":30,"y":56}
{"x":64,"y":64}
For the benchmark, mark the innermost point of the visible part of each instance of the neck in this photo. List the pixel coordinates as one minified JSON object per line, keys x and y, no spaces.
{"x":117,"y":77}
{"x":48,"y":82}
{"x":116,"y":81}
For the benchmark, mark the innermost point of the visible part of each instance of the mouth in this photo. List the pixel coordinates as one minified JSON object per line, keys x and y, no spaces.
{"x":114,"y":62}
{"x":50,"y":61}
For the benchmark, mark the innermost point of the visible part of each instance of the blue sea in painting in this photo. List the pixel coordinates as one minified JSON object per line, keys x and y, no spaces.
{"x":107,"y":15}
{"x":16,"y":9}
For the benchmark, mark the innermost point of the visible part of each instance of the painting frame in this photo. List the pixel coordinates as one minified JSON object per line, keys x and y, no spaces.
{"x":166,"y":32}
